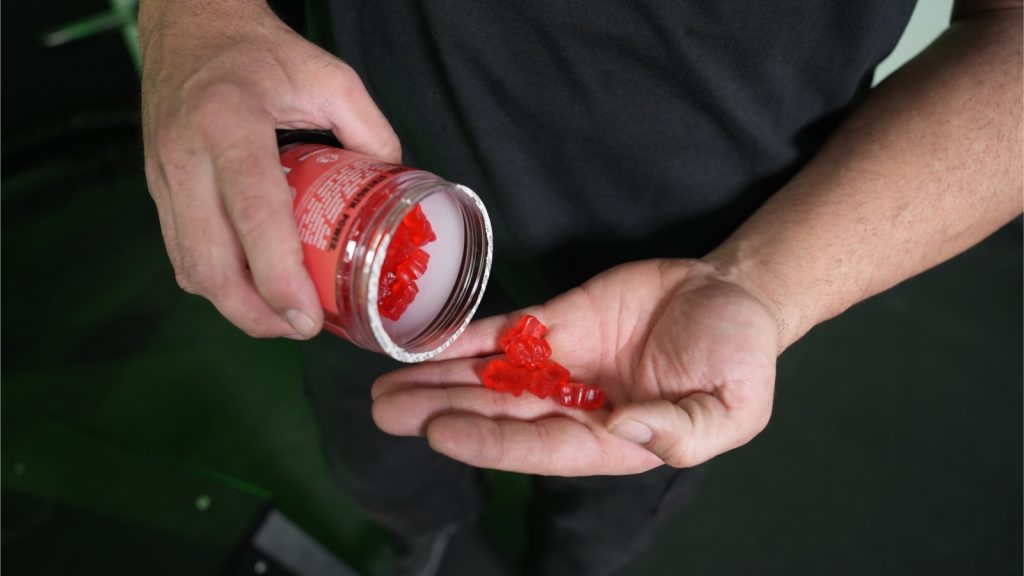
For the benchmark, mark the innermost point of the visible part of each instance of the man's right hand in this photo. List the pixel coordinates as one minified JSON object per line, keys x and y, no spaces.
{"x":219,"y":77}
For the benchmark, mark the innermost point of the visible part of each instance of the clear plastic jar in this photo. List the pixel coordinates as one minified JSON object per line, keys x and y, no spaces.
{"x":348,"y":207}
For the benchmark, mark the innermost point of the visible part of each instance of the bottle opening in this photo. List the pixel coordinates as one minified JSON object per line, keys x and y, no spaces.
{"x":452,"y":286}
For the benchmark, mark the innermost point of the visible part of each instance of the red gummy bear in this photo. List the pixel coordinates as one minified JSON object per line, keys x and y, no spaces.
{"x":527,"y":366}
{"x":549,"y":377}
{"x":418,"y":227}
{"x":504,"y":377}
{"x":528,"y":351}
{"x":527,"y":326}
{"x":524,"y":345}
{"x":414,"y":266}
{"x":575,"y":395}
{"x":404,"y":263}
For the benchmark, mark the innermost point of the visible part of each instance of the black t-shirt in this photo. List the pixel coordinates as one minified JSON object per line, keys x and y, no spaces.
{"x":600,"y":131}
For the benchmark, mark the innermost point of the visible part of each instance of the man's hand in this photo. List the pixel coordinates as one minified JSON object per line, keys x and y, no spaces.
{"x":219,"y":77}
{"x":685,"y":356}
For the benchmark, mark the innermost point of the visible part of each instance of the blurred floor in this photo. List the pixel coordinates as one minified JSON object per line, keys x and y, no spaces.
{"x":895,"y":448}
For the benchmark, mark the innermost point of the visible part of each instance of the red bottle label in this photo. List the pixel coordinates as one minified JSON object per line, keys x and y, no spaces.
{"x":329,"y":186}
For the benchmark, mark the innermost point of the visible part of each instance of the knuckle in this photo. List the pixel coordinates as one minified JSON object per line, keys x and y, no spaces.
{"x":167,"y":142}
{"x":344,"y":92}
{"x":347,"y":89}
{"x":156,"y":194}
{"x":237,"y":163}
{"x":208,"y":104}
{"x":184,"y":283}
{"x":250,"y":213}
{"x":346,"y":77}
{"x":763,"y":419}
{"x":681,"y":461}
{"x":759,"y":421}
{"x":680,"y":454}
{"x":205,"y":94}
{"x":346,"y":84}
{"x":201,"y":280}
{"x":391,"y":147}
{"x":153,"y":178}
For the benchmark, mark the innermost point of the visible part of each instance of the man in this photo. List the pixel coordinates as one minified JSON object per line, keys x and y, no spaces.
{"x":623,"y":139}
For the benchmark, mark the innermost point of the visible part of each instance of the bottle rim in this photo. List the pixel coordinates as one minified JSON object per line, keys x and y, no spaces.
{"x":465,"y":295}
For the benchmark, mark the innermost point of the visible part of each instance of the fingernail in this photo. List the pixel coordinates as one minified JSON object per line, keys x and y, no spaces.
{"x":295,"y":336}
{"x":633,"y":431}
{"x":301,"y":323}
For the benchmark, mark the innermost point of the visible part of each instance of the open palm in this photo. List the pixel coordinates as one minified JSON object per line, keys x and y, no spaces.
{"x":685,"y":357}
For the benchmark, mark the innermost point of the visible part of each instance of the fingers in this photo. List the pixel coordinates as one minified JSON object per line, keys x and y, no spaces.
{"x":464,"y":420}
{"x":691,"y":431}
{"x":405,"y":402}
{"x":236,"y":298}
{"x":212,"y":261}
{"x":554,"y":446}
{"x":258,"y":204}
{"x":227,"y":219}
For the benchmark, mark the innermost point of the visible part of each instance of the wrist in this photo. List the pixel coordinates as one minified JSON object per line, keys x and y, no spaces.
{"x":768,"y":285}
{"x":190,"y":18}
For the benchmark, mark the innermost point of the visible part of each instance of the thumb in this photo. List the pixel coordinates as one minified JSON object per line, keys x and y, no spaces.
{"x":684,"y":434}
{"x":355,"y":119}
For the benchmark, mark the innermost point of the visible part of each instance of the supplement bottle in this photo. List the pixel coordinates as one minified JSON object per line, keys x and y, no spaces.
{"x":351,"y":210}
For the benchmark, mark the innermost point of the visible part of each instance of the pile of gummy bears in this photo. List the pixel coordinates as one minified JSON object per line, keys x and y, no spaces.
{"x":527,"y":366}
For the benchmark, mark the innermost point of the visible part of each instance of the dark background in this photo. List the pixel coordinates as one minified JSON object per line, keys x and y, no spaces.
{"x":141,"y":433}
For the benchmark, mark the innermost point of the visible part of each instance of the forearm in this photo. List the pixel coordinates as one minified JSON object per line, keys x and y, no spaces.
{"x":927,"y":167}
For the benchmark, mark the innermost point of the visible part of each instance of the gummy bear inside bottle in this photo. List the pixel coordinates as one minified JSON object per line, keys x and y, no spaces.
{"x":421,"y":267}
{"x":405,"y":263}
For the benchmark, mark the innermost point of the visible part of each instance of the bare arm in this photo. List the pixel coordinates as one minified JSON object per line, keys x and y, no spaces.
{"x":927,"y":167}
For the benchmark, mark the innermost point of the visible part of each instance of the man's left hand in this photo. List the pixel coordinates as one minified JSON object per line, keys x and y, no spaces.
{"x":685,"y":357}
